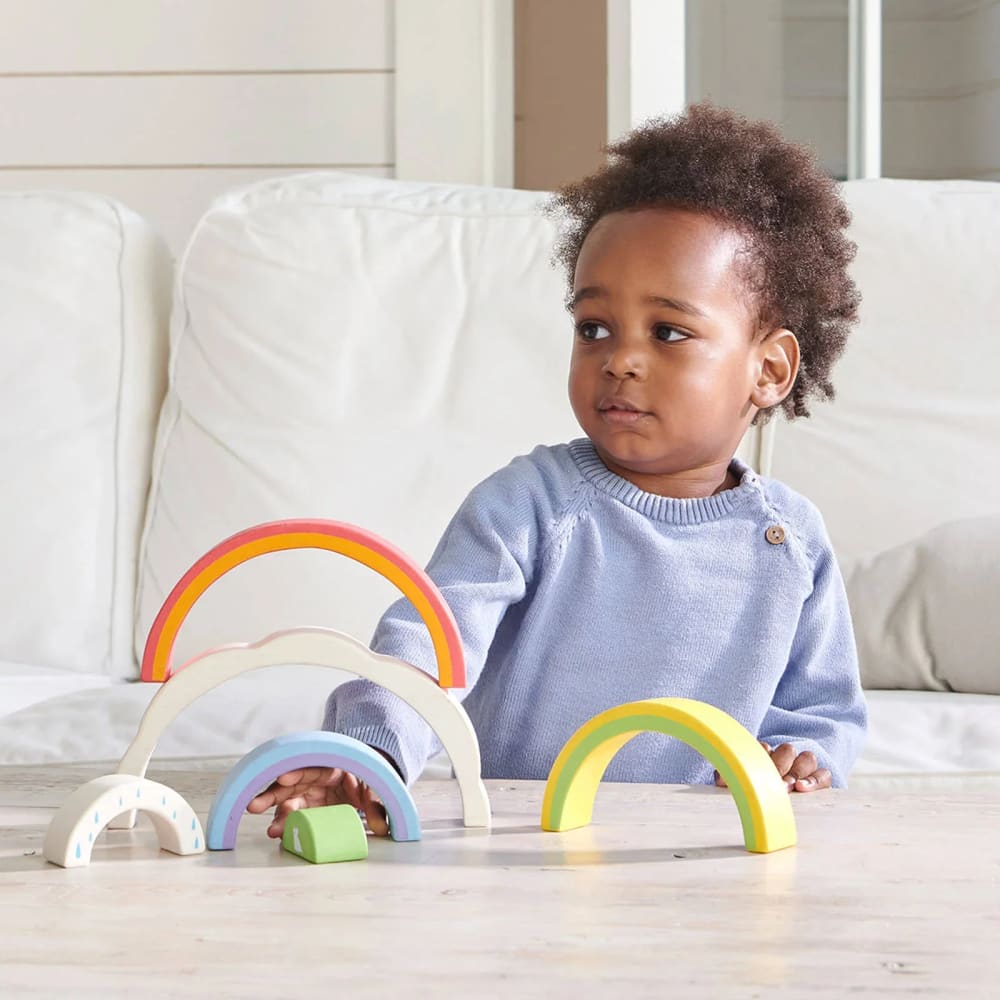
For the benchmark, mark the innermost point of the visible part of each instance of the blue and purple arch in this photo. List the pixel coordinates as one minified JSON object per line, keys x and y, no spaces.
{"x":265,"y":763}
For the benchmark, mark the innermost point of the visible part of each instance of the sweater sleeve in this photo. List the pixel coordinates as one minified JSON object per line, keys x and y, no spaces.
{"x":483,"y":564}
{"x":818,"y":704}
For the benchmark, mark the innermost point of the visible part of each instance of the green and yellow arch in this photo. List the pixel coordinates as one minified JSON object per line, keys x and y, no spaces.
{"x":761,"y":796}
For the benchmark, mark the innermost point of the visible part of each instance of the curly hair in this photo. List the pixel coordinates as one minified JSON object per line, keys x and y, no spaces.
{"x":772,"y":191}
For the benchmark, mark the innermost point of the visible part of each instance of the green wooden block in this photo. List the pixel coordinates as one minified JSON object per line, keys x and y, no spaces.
{"x":325,"y":834}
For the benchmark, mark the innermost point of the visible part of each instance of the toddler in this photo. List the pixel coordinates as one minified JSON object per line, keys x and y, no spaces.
{"x":708,"y":288}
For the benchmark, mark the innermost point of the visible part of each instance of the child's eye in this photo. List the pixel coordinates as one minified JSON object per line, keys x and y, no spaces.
{"x":592,"y":331}
{"x":669,"y":334}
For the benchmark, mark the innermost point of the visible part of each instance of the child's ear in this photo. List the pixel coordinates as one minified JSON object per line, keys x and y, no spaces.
{"x":777,"y":366}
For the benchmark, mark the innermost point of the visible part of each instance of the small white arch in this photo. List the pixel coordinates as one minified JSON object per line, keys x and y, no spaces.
{"x":79,"y":821}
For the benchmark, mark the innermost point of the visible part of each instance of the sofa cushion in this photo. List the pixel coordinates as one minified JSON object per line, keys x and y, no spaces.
{"x":926,"y":611}
{"x":907,"y":444}
{"x":84,"y":299}
{"x":349,"y":348}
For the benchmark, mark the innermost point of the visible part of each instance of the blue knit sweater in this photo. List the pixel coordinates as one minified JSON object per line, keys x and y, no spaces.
{"x":575,"y":591}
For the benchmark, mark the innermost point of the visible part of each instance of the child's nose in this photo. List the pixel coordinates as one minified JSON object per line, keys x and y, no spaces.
{"x":625,"y":361}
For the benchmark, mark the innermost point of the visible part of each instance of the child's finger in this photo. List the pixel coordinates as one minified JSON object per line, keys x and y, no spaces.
{"x":310,"y":776}
{"x":294,"y":783}
{"x":290,"y":804}
{"x":375,"y":814}
{"x":350,"y":790}
{"x":803,"y":765}
{"x":783,"y":757}
{"x":291,"y":777}
{"x":262,"y":802}
{"x":275,"y":793}
{"x":720,"y":781}
{"x":820,"y":778}
{"x":284,"y":810}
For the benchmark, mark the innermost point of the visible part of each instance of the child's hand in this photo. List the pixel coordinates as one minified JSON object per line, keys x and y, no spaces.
{"x":319,"y":786}
{"x":800,"y":771}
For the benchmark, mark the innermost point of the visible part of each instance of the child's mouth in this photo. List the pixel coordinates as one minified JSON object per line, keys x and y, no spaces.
{"x":615,"y":415}
{"x":620,"y":412}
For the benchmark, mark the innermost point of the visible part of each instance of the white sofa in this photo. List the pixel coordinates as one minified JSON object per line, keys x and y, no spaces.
{"x":366,"y":350}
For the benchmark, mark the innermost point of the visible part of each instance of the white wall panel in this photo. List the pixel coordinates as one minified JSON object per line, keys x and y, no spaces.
{"x":156,"y":120}
{"x":164,"y":104}
{"x":454,"y":91}
{"x":135,"y":36}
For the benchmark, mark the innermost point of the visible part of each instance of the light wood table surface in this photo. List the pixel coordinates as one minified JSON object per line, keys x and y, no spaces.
{"x":894,"y":890}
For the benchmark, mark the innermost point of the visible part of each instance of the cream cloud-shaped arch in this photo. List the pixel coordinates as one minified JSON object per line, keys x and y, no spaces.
{"x":321,"y":647}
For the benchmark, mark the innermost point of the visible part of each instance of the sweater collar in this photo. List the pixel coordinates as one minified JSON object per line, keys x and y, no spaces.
{"x":693,"y":510}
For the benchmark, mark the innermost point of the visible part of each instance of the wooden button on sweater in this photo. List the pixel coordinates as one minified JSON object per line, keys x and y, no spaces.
{"x":775,"y":534}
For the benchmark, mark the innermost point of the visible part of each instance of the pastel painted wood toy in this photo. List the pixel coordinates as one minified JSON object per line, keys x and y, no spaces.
{"x":363,"y":546}
{"x":326,"y":834}
{"x":761,"y":796}
{"x":255,"y":771}
{"x":77,"y":823}
{"x":325,"y":648}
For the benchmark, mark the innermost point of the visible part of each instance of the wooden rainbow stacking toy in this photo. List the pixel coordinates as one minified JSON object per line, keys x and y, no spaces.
{"x":760,"y":795}
{"x":310,"y":646}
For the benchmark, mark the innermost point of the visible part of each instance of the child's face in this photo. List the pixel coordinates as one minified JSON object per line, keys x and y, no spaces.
{"x":668,"y":369}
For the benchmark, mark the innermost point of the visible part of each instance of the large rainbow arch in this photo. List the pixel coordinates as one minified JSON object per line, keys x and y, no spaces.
{"x":257,"y":769}
{"x":335,"y":536}
{"x":761,"y":796}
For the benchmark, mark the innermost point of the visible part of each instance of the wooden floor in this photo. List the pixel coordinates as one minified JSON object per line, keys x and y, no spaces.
{"x":894,"y":890}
